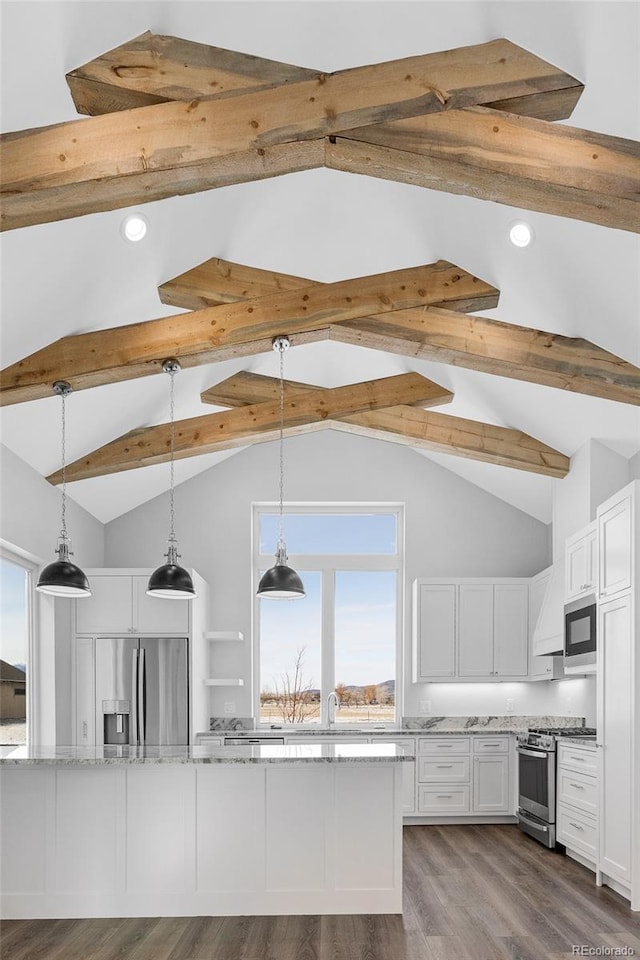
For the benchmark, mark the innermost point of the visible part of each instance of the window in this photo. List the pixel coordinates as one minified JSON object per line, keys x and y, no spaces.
{"x":15,"y":626}
{"x":344,"y":636}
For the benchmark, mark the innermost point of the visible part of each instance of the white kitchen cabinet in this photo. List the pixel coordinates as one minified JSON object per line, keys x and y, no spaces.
{"x":84,"y":684}
{"x":510,"y":629}
{"x":119,"y":604}
{"x":540,"y":667}
{"x":615,"y":710}
{"x":408,"y":780}
{"x":615,"y":545}
{"x":491,"y":783}
{"x":434,"y":631}
{"x":577,"y":794}
{"x":475,"y":630}
{"x":581,"y":563}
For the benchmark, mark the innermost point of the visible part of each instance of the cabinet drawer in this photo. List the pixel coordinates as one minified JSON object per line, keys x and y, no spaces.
{"x":575,"y":758}
{"x":578,"y":791}
{"x":455,"y":770}
{"x":443,"y":746}
{"x":577,"y":831}
{"x":491,"y":744}
{"x":444,"y":799}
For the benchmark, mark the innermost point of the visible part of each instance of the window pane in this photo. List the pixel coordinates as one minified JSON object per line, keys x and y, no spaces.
{"x":290,"y":664}
{"x":330,"y":533}
{"x":365,"y":638}
{"x":13,"y":652}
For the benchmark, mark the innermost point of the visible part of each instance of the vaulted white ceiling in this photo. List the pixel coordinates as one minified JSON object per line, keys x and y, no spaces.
{"x":77,"y":275}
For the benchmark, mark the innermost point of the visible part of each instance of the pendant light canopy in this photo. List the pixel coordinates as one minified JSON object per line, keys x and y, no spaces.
{"x":171,"y":581}
{"x":281,"y":582}
{"x":62,"y":578}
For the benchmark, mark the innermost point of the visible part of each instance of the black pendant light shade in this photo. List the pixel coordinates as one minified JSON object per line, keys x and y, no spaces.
{"x":63,"y":578}
{"x":281,"y":582}
{"x":171,"y":581}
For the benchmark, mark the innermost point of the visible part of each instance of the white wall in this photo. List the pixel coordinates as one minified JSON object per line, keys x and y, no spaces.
{"x":30,"y":524}
{"x":452,"y":526}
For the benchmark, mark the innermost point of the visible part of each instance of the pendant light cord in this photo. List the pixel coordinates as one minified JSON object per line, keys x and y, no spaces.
{"x":172,"y":530}
{"x":63,"y":531}
{"x":281,"y":531}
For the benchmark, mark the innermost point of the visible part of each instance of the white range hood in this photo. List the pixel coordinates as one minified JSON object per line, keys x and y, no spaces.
{"x":548,"y":633}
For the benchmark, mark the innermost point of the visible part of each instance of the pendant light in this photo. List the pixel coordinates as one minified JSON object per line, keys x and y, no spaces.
{"x":170,"y":581}
{"x":281,"y":582}
{"x":62,"y":578}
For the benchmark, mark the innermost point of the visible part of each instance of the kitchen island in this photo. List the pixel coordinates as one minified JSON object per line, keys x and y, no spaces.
{"x":201,"y":831}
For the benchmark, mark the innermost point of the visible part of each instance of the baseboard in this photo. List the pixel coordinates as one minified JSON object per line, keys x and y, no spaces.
{"x":415,"y":820}
{"x":584,"y":861}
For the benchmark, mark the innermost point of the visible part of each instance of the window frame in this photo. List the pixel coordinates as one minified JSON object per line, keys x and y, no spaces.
{"x":30,"y":567}
{"x":327,"y":564}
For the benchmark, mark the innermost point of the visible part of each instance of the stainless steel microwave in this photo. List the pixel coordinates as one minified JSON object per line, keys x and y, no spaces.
{"x":580,"y":618}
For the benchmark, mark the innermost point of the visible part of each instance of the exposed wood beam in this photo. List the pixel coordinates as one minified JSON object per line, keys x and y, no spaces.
{"x":236,"y":329}
{"x":172,"y":148}
{"x":416,"y":428}
{"x":513,"y":160}
{"x":154,"y":69}
{"x":489,"y":346}
{"x":251,"y":424}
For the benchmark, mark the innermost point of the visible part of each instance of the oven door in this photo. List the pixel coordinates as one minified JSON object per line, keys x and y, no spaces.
{"x":537,"y":775}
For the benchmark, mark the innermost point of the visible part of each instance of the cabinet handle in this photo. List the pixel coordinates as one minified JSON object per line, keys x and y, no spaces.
{"x":578,"y":786}
{"x":496,"y":745}
{"x":580,"y":759}
{"x":445,"y":746}
{"x":576,"y":825}
{"x":444,"y":766}
{"x":444,"y":796}
{"x":85,"y":729}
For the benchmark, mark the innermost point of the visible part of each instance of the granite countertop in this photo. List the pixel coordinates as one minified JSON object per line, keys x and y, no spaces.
{"x":276,"y":753}
{"x":411,"y":727}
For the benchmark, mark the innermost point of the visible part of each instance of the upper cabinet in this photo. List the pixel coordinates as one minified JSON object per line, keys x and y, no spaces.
{"x":119,"y":604}
{"x":581,"y":563}
{"x":470,"y":630}
{"x":615,"y":525}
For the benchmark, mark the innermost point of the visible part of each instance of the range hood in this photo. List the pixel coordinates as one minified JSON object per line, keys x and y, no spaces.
{"x":548,"y":633}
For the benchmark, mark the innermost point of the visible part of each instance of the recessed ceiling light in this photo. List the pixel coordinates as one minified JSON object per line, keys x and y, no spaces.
{"x":134,"y":227}
{"x":520,"y":234}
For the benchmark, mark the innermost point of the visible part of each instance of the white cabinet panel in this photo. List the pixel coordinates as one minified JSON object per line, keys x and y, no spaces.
{"x":84,"y":680}
{"x":615,"y":682}
{"x":578,"y":791}
{"x":577,"y":831}
{"x":540,"y":667}
{"x":490,"y":745}
{"x":581,"y":563}
{"x":155,"y":615}
{"x":491,"y":784}
{"x":614,"y":538}
{"x":443,"y":746}
{"x":24,"y":800}
{"x":434,"y":631}
{"x":408,"y":782}
{"x":510,"y":634}
{"x":108,"y":609}
{"x":444,"y":800}
{"x":441,"y":770}
{"x":475,"y":630}
{"x":572,"y":757}
{"x":358,"y":823}
{"x":87,"y":830}
{"x":224,"y":814}
{"x":295,"y":855}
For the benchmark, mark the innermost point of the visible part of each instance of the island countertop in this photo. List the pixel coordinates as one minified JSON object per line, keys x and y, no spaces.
{"x":205,"y":754}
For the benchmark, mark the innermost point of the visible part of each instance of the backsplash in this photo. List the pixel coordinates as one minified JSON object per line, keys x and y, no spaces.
{"x":517,"y":724}
{"x":231,"y":723}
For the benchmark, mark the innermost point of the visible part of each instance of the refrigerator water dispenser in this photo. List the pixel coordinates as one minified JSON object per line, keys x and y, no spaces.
{"x":116,"y":715}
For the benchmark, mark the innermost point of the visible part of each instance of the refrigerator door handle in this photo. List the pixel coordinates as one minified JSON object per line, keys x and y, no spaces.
{"x":133,"y":735}
{"x":141,"y":700}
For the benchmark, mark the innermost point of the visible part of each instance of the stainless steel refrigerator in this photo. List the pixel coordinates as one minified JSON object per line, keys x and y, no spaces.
{"x":142,"y":691}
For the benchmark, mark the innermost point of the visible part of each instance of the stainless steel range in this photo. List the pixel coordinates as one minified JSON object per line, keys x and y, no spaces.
{"x":537,"y":779}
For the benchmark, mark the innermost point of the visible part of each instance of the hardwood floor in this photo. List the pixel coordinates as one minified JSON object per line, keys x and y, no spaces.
{"x":471,"y":893}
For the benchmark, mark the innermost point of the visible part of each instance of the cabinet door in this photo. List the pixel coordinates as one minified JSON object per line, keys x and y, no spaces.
{"x":408,"y":782}
{"x":84,"y":692}
{"x":108,"y":610}
{"x":475,"y":630}
{"x":614,"y":537}
{"x":435,"y":628}
{"x":156,"y":615}
{"x":510,"y":633}
{"x":615,"y":694}
{"x":581,"y":574}
{"x":491,"y":784}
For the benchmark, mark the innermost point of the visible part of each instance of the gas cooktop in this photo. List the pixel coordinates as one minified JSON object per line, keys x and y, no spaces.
{"x":565,"y":731}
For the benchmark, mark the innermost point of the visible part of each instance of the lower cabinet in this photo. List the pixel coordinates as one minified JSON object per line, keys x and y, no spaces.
{"x":577,"y":800}
{"x":463,"y":776}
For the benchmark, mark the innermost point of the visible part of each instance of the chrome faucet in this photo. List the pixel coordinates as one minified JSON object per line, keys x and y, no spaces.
{"x":335,"y":700}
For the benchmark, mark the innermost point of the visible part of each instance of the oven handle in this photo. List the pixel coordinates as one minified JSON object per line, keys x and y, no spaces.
{"x":530,"y":753}
{"x":532,"y":823}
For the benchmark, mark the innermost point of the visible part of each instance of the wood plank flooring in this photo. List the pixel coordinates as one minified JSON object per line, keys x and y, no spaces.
{"x":471,"y":893}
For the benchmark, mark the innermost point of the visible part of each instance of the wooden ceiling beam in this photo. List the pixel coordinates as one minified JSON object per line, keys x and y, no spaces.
{"x":153,"y":68}
{"x":436,"y":334}
{"x":251,"y":424}
{"x":236,"y":329}
{"x":177,"y":147}
{"x":512,"y":160}
{"x":438,"y":432}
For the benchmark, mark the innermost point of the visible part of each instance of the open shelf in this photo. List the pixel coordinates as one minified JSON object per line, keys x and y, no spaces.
{"x":233,"y":636}
{"x":224,"y":683}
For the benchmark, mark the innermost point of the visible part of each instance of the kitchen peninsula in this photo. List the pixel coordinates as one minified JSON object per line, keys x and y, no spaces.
{"x":201,"y":831}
